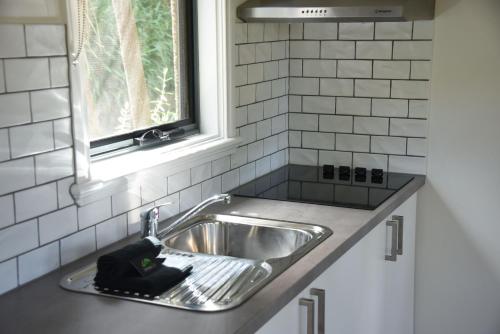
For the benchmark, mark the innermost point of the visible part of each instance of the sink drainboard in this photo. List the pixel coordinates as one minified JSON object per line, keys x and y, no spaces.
{"x":216,"y":283}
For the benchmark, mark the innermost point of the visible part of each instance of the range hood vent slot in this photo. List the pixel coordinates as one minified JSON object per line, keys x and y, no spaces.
{"x":335,"y":10}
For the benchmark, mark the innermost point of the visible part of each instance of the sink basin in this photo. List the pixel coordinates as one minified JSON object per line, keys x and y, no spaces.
{"x":232,"y":257}
{"x":241,"y":237}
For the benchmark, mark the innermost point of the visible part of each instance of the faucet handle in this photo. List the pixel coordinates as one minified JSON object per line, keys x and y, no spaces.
{"x":149,"y":221}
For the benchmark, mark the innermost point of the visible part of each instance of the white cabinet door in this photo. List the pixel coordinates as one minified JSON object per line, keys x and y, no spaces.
{"x":399,"y":276}
{"x":364,"y":293}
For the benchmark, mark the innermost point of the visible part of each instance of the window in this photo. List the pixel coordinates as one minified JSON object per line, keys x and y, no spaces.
{"x":137,"y":66}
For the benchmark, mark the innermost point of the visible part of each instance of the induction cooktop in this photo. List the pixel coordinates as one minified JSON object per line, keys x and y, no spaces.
{"x":345,"y":187}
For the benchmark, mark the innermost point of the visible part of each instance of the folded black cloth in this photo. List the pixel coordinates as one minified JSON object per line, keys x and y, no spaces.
{"x":119,"y":263}
{"x":136,"y":269}
{"x":153,"y":284}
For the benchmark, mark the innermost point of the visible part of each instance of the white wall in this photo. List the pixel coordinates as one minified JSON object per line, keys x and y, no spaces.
{"x":32,"y":11}
{"x":458,"y":247}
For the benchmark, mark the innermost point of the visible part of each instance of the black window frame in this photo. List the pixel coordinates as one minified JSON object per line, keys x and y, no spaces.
{"x":125,"y":143}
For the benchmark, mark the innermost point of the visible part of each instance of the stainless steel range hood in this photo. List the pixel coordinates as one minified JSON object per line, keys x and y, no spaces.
{"x":335,"y":10}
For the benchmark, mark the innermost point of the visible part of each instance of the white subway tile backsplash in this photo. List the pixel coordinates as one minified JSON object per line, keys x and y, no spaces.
{"x":296,"y":31}
{"x":17,"y":239}
{"x":111,"y":231}
{"x":317,"y":140}
{"x":354,"y":69}
{"x":304,"y":86}
{"x":211,"y":187}
{"x":16,"y":175}
{"x":247,"y":173}
{"x":417,"y":147}
{"x":278,"y":50}
{"x":240,"y":33}
{"x":296,"y":67}
{"x":248,"y":133}
{"x":78,"y":245}
{"x":278,"y":124}
{"x":221,"y":165}
{"x":63,"y":195}
{"x":263,"y":52}
{"x":63,"y":134}
{"x":323,"y":31}
{"x":337,"y":49}
{"x":421,"y":70}
{"x":247,"y":54}
{"x":319,"y":68}
{"x":31,"y":139}
{"x":247,"y":94}
{"x":8,"y":273}
{"x":337,"y":87}
{"x":262,"y":166}
{"x":279,"y":88}
{"x":94,"y":213}
{"x":372,"y":88}
{"x":283,"y":140}
{"x":294,"y":103}
{"x":255,"y":32}
{"x":410,"y":89}
{"x":271,"y":31}
{"x":59,"y":71}
{"x":127,"y":200}
{"x":12,"y":42}
{"x":270,"y":70}
{"x":50,"y":104}
{"x":230,"y":180}
{"x":4,"y":145}
{"x":200,"y":173}
{"x":256,"y":150}
{"x":318,"y":105}
{"x":305,"y":157}
{"x":2,"y":78}
{"x":45,"y":40}
{"x":271,"y":108}
{"x":304,"y":49}
{"x":271,"y":144}
{"x":304,"y":122}
{"x":27,"y":74}
{"x":352,"y":143}
{"x":419,"y":109}
{"x":295,"y":138}
{"x":255,"y":73}
{"x":388,"y":145}
{"x":353,"y":106}
{"x":370,"y":161}
{"x":179,"y":181}
{"x":279,"y":159}
{"x":38,"y":262}
{"x":391,"y":70}
{"x":356,"y":31}
{"x":393,"y":30}
{"x":342,"y":124}
{"x":264,"y":129}
{"x":371,"y":125}
{"x":403,"y":164}
{"x":54,"y":165}
{"x":284,"y":31}
{"x":14,"y":109}
{"x":36,"y":201}
{"x":418,"y":50}
{"x":7,"y":210}
{"x":263,"y":91}
{"x":240,"y":157}
{"x":58,"y":224}
{"x":336,"y":158}
{"x":423,"y":30}
{"x":374,"y":50}
{"x":390,"y":108}
{"x":408,"y":127}
{"x":170,"y":206}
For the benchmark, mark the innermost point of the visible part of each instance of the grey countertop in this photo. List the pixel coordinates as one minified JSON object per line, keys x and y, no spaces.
{"x":43,"y":307}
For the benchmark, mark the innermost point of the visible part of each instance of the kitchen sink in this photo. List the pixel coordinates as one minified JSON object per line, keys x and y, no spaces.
{"x":233,"y":257}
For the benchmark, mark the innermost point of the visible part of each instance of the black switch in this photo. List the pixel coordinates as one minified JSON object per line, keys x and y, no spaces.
{"x":360,"y":174}
{"x":344,"y":173}
{"x":328,"y":172}
{"x":377,"y":176}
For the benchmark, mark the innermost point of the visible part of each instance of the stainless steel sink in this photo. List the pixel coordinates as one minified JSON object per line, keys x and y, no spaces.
{"x":232,"y":258}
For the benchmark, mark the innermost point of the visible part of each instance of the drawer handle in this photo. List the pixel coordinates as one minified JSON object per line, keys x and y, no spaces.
{"x":309,"y":304}
{"x":320,"y":293}
{"x":400,"y":220}
{"x":393,"y":224}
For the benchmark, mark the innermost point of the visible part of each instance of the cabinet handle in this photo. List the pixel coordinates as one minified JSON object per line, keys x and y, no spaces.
{"x":309,"y":304}
{"x":394,"y":240}
{"x":399,"y":220}
{"x":320,"y":293}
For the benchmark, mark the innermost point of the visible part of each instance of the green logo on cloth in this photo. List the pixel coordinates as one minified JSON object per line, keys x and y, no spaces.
{"x":146,"y":263}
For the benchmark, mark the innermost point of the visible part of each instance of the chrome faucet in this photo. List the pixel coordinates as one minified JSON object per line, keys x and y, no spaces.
{"x":150,"y":218}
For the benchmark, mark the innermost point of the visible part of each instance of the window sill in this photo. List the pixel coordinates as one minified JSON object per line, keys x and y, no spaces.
{"x":113,"y":175}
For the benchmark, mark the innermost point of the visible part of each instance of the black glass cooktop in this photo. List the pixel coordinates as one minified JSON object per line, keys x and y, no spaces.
{"x":358,"y":189}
